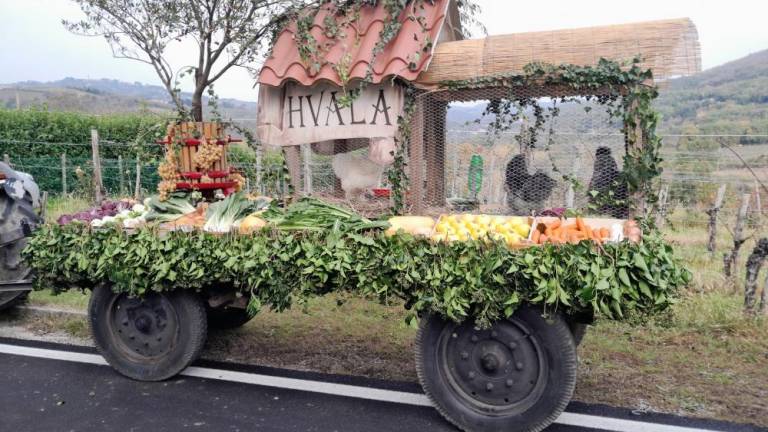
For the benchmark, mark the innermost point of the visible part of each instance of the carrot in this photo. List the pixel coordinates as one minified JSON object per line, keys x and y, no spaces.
{"x":588,"y":231}
{"x":535,"y":237}
{"x":555,"y":224}
{"x":604,"y":233}
{"x":580,"y":224}
{"x":543,"y":239}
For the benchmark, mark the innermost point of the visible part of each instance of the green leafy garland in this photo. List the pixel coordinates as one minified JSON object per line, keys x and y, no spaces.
{"x":479,"y":280}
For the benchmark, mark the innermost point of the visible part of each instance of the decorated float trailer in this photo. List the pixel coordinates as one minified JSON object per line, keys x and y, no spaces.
{"x":502,"y":279}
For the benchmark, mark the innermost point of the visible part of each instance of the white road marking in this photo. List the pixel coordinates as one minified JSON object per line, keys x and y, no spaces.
{"x":567,"y":418}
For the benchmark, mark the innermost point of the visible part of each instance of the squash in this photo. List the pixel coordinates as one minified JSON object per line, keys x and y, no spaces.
{"x":416,"y":225}
{"x":252,"y":223}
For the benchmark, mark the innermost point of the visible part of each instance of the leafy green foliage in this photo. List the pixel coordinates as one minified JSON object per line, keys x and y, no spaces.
{"x":38,"y":132}
{"x":473,"y":280}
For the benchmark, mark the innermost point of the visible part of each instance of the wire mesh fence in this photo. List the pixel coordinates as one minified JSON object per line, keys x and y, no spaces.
{"x":502,"y":172}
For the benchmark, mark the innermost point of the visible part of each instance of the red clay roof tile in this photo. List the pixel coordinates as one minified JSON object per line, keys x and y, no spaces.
{"x":285,"y":62}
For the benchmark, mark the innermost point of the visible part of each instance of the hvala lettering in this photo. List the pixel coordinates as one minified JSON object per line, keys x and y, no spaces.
{"x":305,"y":110}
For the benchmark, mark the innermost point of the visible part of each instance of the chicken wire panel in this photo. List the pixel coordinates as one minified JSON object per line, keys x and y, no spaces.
{"x":696,"y":166}
{"x":471,"y":150}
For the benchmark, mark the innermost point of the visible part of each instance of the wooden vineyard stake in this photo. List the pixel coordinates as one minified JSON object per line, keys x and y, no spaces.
{"x":64,"y":173}
{"x":754,"y":263}
{"x":98,"y":185}
{"x":731,"y":259}
{"x":712,"y":212}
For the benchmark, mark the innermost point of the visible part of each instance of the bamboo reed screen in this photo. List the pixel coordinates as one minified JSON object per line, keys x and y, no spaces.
{"x":670,"y":48}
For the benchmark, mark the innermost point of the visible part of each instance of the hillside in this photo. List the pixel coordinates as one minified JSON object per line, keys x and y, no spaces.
{"x":103,"y":96}
{"x":728,"y":99}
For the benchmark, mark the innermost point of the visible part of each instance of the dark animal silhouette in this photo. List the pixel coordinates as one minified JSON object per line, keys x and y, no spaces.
{"x":606,"y":178}
{"x":525,"y":192}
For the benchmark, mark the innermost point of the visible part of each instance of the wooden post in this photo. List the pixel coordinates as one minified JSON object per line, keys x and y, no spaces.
{"x":259,"y":173}
{"x":339,"y":146}
{"x":754,"y":263}
{"x":7,"y":159}
{"x":64,"y":173}
{"x":306,"y":152}
{"x":712,"y":212}
{"x":43,"y":205}
{"x":416,"y":158}
{"x":98,"y":185}
{"x":434,"y":151}
{"x":661,"y":212}
{"x":137,"y":189}
{"x":122,"y":177}
{"x":638,"y":198}
{"x":730,"y":260}
{"x":292,"y":156}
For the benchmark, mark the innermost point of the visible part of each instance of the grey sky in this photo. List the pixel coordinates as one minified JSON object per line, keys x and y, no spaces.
{"x":35,"y":46}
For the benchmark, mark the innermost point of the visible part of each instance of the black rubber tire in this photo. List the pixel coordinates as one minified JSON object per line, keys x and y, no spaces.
{"x":183,"y":321}
{"x":227,"y":318}
{"x":578,"y":330}
{"x":12,"y":267}
{"x":12,"y":299}
{"x":555,"y":374}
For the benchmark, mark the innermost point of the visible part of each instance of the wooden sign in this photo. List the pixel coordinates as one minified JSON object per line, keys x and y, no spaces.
{"x":296,"y":115}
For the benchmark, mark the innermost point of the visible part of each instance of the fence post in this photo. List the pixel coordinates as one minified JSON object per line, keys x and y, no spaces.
{"x":137,"y":190}
{"x":754,"y":263}
{"x":64,"y":173}
{"x":259,"y":174}
{"x":306,"y":158}
{"x":98,"y":185}
{"x":122,"y":178}
{"x":712,"y":212}
{"x":730,"y":260}
{"x":661,"y":215}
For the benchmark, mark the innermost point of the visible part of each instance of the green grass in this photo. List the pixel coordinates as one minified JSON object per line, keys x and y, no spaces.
{"x":68,"y":299}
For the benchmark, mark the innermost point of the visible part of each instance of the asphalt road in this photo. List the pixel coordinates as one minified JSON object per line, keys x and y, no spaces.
{"x":51,"y":387}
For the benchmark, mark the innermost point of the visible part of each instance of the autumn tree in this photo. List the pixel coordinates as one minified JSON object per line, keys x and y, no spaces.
{"x":226,"y":33}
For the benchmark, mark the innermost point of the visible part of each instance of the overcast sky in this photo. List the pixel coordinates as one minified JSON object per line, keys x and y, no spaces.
{"x":35,"y":46}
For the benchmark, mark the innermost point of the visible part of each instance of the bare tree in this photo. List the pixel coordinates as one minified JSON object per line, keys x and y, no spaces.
{"x":227,"y":33}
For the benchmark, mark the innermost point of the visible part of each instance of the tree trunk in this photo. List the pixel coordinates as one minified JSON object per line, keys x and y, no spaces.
{"x":197,"y":105}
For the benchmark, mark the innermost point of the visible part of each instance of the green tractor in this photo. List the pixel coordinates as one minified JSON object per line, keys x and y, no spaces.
{"x":19,"y":205}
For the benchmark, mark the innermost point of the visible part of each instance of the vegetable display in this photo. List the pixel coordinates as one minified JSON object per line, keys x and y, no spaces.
{"x":315,"y":215}
{"x":223,"y":216}
{"x":509,"y":230}
{"x":478,"y":280}
{"x":106,"y":209}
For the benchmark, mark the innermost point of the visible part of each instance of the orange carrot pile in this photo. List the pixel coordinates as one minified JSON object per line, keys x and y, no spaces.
{"x":557,"y":232}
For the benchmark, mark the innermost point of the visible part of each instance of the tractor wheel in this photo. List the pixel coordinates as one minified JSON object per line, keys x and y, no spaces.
{"x":578,"y":330}
{"x":227,"y":318}
{"x":151,"y":338}
{"x":12,"y":267}
{"x":517,"y":376}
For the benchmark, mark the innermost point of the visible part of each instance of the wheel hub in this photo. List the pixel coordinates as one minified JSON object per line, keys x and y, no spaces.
{"x":498,"y":369}
{"x":145,"y":327}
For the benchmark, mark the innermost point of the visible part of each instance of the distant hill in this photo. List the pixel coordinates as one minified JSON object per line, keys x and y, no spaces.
{"x":728,"y":99}
{"x":103,"y":96}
